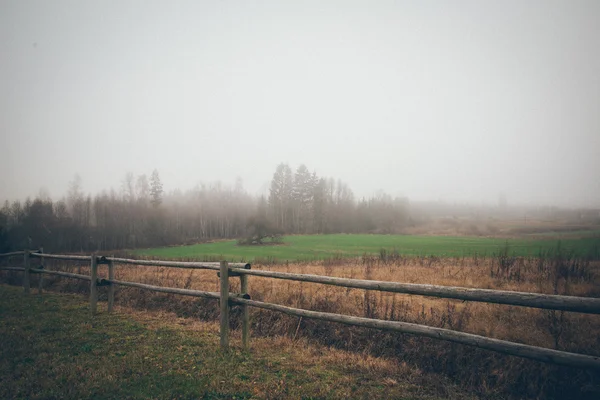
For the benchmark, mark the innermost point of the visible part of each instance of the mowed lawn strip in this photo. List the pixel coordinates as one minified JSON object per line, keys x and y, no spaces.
{"x":51,"y":348}
{"x":319,"y":247}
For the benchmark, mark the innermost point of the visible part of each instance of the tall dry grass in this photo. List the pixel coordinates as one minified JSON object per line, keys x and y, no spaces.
{"x":489,"y":373}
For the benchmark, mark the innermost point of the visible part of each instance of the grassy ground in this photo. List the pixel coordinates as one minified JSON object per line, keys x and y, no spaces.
{"x":488,"y":374}
{"x":319,"y":247}
{"x":52,"y":348}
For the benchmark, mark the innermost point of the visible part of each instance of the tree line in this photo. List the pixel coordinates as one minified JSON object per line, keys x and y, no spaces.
{"x":141,"y":214}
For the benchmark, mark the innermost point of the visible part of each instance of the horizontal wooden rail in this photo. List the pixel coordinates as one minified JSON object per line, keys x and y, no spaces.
{"x":158,"y":263}
{"x":60,"y":273}
{"x":14,"y":253}
{"x":501,"y":346}
{"x":12,"y":268}
{"x":185,"y":292}
{"x":103,"y":282}
{"x":61,"y":257}
{"x":589,"y":305}
{"x":177,"y":264}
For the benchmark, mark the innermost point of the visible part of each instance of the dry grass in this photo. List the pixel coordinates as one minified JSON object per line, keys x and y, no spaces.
{"x":505,"y":228}
{"x":52,"y":349}
{"x":489,"y":373}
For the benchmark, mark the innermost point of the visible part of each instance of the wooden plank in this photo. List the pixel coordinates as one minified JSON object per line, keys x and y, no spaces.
{"x":60,"y":273}
{"x":245,"y":314}
{"x":587,"y":305}
{"x":62,"y":257}
{"x":501,"y":346}
{"x":178,"y":264}
{"x":163,"y":289}
{"x":93,"y":285}
{"x":185,"y":292}
{"x":111,"y":288}
{"x":224,"y":303}
{"x":26,"y":283}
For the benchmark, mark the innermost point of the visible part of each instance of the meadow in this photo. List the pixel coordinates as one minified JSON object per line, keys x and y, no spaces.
{"x":483,"y":373}
{"x":321,"y":247}
{"x":538,"y":265}
{"x":51,"y":349}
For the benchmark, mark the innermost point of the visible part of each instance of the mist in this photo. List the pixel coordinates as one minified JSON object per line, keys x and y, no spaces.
{"x":462,"y":101}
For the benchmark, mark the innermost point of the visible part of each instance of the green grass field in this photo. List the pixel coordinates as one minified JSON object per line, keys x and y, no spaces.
{"x":319,"y":247}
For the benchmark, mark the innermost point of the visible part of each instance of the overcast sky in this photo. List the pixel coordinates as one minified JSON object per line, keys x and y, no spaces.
{"x":459,"y":100}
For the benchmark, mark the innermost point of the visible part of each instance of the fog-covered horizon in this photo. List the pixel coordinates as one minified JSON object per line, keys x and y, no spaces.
{"x":454,"y":101}
{"x":119,"y":188}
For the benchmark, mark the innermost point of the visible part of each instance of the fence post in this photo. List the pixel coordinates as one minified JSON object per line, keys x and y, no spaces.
{"x":111,"y":288}
{"x":224,"y":277}
{"x":93,"y":287}
{"x":26,"y":283}
{"x":245,"y":314}
{"x":40,"y":275}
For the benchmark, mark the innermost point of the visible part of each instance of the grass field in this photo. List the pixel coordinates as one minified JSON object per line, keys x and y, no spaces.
{"x":276,"y":337}
{"x":51,"y":348}
{"x":318,"y":247}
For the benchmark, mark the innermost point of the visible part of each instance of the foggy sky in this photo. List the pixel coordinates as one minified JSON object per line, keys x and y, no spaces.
{"x":458,"y":100}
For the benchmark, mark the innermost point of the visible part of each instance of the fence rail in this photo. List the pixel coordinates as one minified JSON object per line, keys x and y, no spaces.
{"x":535,"y":300}
{"x":502,"y":346}
{"x":14,"y":253}
{"x":60,"y":273}
{"x":61,"y":257}
{"x":243,"y":271}
{"x":178,"y":264}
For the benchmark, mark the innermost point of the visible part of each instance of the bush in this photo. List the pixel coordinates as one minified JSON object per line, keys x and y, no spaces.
{"x":259,"y":229}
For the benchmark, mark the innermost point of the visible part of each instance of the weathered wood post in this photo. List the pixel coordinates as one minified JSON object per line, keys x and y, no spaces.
{"x":26,"y":283}
{"x":245,"y":313}
{"x":224,"y":277}
{"x":111,"y":288}
{"x":93,"y":284}
{"x":40,"y":275}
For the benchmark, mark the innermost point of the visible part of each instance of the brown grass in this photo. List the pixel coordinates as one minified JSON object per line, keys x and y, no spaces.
{"x":502,"y":227}
{"x":488,"y":373}
{"x":52,"y":349}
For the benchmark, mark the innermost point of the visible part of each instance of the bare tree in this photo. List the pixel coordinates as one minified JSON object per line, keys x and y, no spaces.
{"x":156,"y":189}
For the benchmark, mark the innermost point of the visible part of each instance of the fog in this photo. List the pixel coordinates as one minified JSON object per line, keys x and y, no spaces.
{"x":461,"y":101}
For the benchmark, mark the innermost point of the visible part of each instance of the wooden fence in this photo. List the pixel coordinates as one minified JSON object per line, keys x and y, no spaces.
{"x":226,"y":270}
